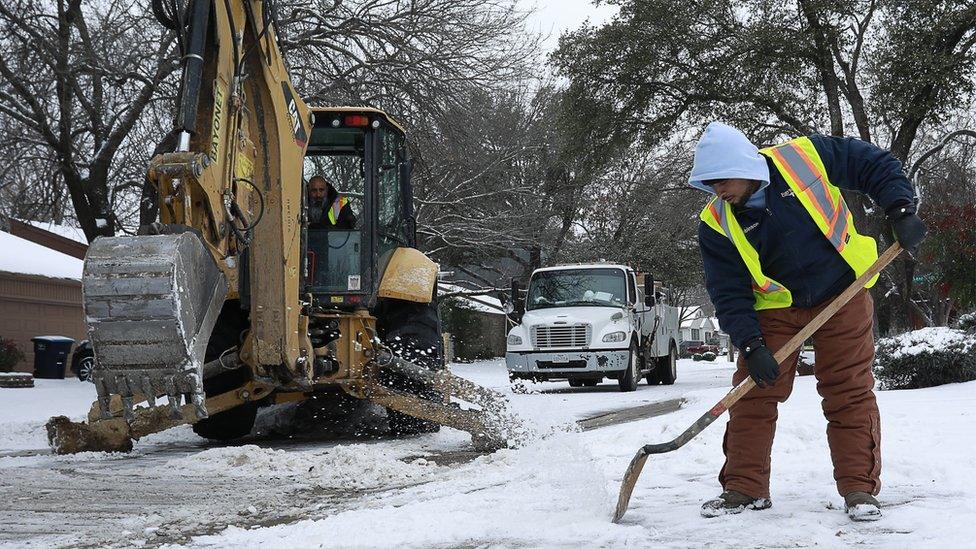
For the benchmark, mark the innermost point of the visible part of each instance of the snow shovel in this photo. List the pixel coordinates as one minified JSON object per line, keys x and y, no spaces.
{"x":637,"y":464}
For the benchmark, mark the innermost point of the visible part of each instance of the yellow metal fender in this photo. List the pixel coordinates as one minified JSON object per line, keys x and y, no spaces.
{"x":409,"y":275}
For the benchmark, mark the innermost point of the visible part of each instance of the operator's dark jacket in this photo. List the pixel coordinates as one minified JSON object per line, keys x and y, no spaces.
{"x":792,"y":249}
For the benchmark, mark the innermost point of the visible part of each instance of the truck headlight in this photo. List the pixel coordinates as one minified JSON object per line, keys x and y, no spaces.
{"x":614,"y":337}
{"x":514,"y":340}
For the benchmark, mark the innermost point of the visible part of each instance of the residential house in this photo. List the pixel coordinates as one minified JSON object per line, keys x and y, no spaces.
{"x":40,"y":286}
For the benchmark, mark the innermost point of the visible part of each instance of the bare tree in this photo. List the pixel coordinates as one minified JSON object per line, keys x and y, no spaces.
{"x":412,"y":57}
{"x":76,"y":79}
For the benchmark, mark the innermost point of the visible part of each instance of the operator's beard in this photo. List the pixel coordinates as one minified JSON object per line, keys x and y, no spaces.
{"x":317,"y":203}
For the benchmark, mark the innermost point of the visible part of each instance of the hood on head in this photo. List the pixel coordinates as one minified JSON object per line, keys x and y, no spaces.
{"x":724,"y":152}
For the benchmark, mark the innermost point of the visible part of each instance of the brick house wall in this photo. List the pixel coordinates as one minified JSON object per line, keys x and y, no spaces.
{"x":32,"y":305}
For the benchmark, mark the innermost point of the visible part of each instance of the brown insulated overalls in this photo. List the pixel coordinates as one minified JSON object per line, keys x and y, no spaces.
{"x":844,"y":356}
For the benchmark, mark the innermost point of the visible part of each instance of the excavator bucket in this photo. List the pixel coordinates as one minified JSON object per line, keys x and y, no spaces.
{"x":151,"y":303}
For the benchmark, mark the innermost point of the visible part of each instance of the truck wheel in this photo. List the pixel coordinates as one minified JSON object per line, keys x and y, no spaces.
{"x":575,"y":382}
{"x":667,"y":367}
{"x":631,"y":376}
{"x":236,"y":422}
{"x":411,"y":330}
{"x":590,"y":382}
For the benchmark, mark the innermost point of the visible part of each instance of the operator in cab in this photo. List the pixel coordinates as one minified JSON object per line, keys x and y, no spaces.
{"x":327,"y":209}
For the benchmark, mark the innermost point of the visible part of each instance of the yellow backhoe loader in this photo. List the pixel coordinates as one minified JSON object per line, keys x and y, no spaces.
{"x":245,"y":293}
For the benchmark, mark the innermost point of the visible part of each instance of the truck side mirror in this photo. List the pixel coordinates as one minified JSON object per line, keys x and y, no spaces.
{"x":649,"y":295}
{"x":513,"y":300}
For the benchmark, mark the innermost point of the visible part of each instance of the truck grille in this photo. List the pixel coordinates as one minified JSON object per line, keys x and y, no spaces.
{"x":577,"y":335}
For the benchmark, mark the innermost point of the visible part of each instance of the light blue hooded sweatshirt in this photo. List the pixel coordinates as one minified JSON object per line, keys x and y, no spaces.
{"x":724,"y":152}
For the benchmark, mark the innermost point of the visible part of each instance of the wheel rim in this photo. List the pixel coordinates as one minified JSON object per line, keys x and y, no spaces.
{"x":85,"y":367}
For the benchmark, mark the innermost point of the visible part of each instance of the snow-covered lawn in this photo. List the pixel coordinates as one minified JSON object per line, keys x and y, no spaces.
{"x":559,"y":491}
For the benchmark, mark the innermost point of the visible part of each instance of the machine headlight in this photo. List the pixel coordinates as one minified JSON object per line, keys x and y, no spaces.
{"x":514,"y":339}
{"x":614,"y":337}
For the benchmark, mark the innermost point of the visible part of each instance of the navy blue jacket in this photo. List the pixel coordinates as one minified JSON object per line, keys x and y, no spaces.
{"x":792,"y":249}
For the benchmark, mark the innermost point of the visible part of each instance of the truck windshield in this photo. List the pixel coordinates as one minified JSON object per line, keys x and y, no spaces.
{"x":577,"y":287}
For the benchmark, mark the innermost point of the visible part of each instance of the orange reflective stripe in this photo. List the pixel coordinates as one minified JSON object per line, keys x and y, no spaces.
{"x":813,"y":170}
{"x":808,"y":179}
{"x":807,"y":183}
{"x":336,"y":208}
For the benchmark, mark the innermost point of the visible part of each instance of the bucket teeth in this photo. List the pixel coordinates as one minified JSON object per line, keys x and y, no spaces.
{"x":151,"y":303}
{"x":149,"y":391}
{"x":174,"y":400}
{"x":104,"y":398}
{"x":127,"y":411}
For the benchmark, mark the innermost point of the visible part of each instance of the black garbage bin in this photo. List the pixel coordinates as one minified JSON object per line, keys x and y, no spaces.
{"x":50,"y":356}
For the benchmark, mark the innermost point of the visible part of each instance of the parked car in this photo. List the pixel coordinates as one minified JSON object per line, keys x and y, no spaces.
{"x":684,"y":345}
{"x":694,"y":347}
{"x":83,"y":360}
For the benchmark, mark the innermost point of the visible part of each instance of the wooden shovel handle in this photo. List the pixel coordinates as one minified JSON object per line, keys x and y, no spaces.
{"x":797,"y":341}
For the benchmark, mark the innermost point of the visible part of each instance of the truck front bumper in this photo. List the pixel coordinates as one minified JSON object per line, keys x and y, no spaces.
{"x":593,"y":364}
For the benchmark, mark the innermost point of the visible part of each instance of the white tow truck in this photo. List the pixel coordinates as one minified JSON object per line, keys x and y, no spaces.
{"x":584,"y":323}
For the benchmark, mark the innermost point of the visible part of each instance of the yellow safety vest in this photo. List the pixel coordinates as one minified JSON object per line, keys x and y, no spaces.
{"x":800,"y":165}
{"x":337,"y":205}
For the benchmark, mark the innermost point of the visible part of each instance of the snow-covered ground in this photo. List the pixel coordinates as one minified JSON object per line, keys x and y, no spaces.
{"x":558,"y":491}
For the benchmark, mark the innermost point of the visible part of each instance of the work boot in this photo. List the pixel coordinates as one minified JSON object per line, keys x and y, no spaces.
{"x":861,"y":506}
{"x":731,"y":503}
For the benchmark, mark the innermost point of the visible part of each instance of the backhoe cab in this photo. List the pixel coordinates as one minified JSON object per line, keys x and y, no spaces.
{"x":362,"y":156}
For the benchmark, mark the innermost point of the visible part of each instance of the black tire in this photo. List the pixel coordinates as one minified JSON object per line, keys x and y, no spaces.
{"x":575,"y":382}
{"x":85,"y":366}
{"x":631,"y":376}
{"x":412,"y":330}
{"x":667,"y":366}
{"x":590,"y":382}
{"x":236,"y":422}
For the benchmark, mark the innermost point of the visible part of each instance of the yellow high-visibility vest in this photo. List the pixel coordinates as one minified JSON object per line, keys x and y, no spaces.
{"x":337,"y":205}
{"x":800,"y":165}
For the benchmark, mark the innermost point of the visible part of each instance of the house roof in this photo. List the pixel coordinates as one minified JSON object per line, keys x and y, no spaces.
{"x":25,"y":257}
{"x":704,"y":322}
{"x":482,"y":303}
{"x":67,"y":231}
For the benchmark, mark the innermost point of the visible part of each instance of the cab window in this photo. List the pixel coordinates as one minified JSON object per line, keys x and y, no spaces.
{"x":389,"y":199}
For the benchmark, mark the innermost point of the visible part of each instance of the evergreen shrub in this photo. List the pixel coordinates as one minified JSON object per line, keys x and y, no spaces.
{"x":926,"y":358}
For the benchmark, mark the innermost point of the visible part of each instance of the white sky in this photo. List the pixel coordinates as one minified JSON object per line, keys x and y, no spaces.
{"x":553,"y":17}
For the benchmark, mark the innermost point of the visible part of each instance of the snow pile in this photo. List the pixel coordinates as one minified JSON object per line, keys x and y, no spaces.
{"x":927,"y":340}
{"x":359,"y":467}
{"x":926,"y":358}
{"x":23,"y":412}
{"x":25,"y":257}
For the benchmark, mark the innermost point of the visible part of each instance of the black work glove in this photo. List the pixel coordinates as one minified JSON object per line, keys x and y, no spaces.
{"x":762,"y":366}
{"x":909,"y":230}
